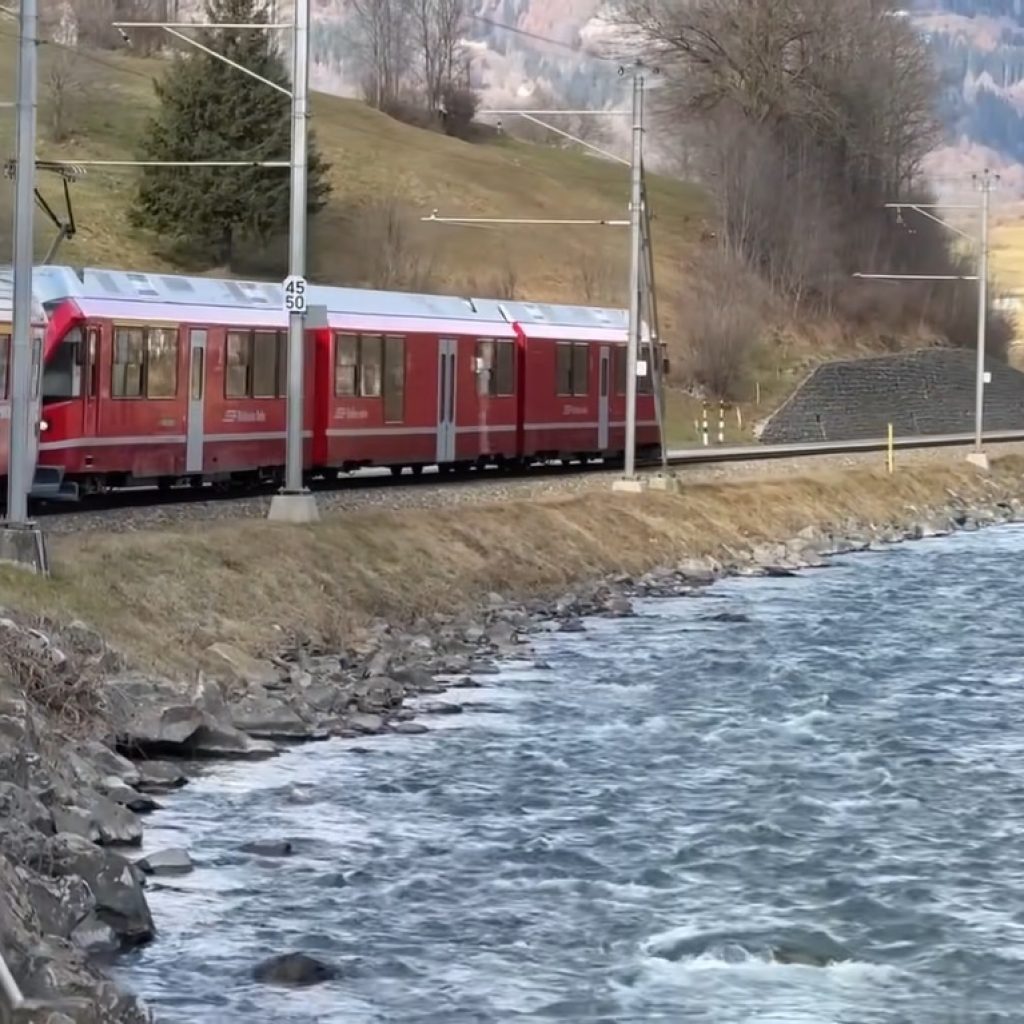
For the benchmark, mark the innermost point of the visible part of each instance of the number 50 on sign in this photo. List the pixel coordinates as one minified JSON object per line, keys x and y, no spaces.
{"x":295,"y":294}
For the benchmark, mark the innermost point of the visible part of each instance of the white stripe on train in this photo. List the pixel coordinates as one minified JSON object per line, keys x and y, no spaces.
{"x":280,"y":435}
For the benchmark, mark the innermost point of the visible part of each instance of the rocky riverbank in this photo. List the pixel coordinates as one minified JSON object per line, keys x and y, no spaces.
{"x":89,"y":743}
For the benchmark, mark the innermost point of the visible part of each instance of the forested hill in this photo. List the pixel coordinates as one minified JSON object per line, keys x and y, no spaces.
{"x":980,"y":45}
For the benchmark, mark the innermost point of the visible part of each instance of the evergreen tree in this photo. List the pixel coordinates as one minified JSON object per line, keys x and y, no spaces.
{"x":211,"y":111}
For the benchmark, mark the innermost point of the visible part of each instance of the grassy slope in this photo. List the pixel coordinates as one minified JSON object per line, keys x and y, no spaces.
{"x":370,"y":154}
{"x":165,"y":595}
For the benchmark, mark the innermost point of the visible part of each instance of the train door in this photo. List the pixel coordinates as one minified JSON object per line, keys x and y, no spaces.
{"x":446,"y":376}
{"x":604,"y":391}
{"x":90,"y":382}
{"x":196,"y":397}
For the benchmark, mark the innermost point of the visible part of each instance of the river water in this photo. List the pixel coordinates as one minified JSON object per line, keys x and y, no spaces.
{"x":829,"y":767}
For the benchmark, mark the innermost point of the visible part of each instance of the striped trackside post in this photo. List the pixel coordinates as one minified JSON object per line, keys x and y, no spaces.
{"x":704,"y":423}
{"x":721,"y":422}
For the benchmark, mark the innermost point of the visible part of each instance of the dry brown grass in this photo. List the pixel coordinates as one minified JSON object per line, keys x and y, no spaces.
{"x":163,"y":596}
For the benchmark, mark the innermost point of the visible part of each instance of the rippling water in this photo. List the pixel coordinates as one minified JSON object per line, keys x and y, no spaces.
{"x":830,"y":766}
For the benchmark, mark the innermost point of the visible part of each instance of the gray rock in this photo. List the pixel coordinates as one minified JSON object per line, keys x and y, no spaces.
{"x":165,"y":862}
{"x":95,"y":937}
{"x":159,"y":777}
{"x":117,"y":825}
{"x":108,"y":762}
{"x":76,"y":821}
{"x":367,"y":725}
{"x":293,"y":969}
{"x":115,"y":885}
{"x":139,"y":803}
{"x":267,"y":717}
{"x":242,"y":668}
{"x":61,"y":904}
{"x":18,"y":803}
{"x":378,"y":693}
{"x":409,"y":728}
{"x":268,"y":848}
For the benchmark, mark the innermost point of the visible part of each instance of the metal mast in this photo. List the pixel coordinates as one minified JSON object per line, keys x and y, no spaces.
{"x":18,"y":469}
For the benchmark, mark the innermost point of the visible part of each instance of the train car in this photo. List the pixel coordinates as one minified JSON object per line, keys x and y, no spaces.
{"x":573,"y":361}
{"x":154,"y":378}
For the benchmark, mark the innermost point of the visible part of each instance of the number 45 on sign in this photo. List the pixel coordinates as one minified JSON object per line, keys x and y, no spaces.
{"x":295,"y":294}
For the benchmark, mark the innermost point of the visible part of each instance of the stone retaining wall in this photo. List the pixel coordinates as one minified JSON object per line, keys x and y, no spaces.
{"x":930,"y":391}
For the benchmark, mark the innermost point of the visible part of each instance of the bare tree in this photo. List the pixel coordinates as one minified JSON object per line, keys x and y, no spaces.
{"x":384,"y":40}
{"x":439,"y":26}
{"x":814,"y":112}
{"x":385,"y":250}
{"x":64,"y":89}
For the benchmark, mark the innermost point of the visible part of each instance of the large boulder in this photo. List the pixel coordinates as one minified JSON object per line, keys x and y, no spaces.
{"x":158,"y":717}
{"x":270,"y":718}
{"x":51,"y":970}
{"x":18,"y":804}
{"x":241,"y":668}
{"x":116,"y":886}
{"x":294,"y":969}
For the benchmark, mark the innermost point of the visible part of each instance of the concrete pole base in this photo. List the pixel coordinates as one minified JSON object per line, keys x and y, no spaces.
{"x":23,"y":545}
{"x":296,"y":509}
{"x":627,"y":486}
{"x":665,"y":482}
{"x":980,"y":460}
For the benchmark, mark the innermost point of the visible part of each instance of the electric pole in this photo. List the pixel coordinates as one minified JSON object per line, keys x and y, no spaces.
{"x":635,"y":214}
{"x":24,"y":207}
{"x":295,"y":504}
{"x":984,"y":182}
{"x":20,"y":540}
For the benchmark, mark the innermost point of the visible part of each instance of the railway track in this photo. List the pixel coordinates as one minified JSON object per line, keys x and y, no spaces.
{"x":145,"y":507}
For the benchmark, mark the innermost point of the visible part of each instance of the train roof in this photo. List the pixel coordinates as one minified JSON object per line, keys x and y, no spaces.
{"x":52,"y":283}
{"x":7,"y":299}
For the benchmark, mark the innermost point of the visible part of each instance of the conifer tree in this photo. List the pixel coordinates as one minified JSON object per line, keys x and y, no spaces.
{"x":211,"y":111}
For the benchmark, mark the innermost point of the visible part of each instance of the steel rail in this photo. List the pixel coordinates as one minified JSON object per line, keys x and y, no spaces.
{"x":763,"y":452}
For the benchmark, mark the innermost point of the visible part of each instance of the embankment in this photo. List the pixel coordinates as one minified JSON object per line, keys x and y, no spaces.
{"x":309,"y":634}
{"x":163,"y":596}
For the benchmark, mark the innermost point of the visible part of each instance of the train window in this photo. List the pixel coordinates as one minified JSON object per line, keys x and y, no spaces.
{"x":161,"y":362}
{"x":620,"y":370}
{"x":129,"y":362}
{"x":371,"y":358}
{"x":580,"y":368}
{"x":394,"y":379}
{"x":266,"y":352}
{"x":5,"y":362}
{"x":563,"y":368}
{"x":62,"y":376}
{"x":239,"y":358}
{"x":346,"y":366}
{"x":282,"y":364}
{"x":498,"y":360}
{"x":572,"y":368}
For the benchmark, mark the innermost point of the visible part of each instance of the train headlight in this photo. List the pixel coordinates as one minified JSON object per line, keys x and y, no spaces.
{"x":43,"y":426}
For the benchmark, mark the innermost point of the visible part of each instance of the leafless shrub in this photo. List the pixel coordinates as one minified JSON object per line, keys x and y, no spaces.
{"x":600,"y":278}
{"x":64,"y":89}
{"x":60,"y":685}
{"x":724,"y":325}
{"x":505,"y":284}
{"x":386,"y":249}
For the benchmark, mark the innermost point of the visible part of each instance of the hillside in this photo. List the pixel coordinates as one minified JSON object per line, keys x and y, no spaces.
{"x":372,"y":156}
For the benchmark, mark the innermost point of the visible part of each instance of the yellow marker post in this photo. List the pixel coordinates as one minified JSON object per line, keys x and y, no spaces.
{"x":890,"y":451}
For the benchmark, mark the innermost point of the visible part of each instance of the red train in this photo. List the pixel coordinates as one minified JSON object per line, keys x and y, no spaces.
{"x":153,"y":378}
